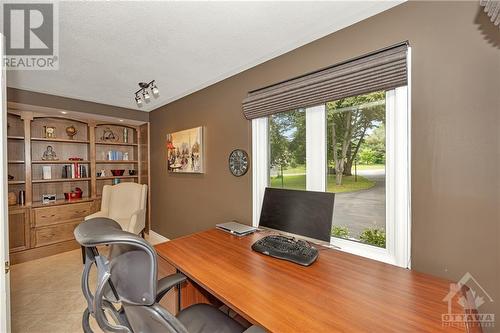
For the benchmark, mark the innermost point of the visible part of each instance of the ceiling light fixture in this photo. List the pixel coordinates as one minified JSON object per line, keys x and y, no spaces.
{"x":146,"y":97}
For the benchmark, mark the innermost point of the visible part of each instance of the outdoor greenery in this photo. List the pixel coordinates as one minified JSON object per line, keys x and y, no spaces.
{"x":373,"y":237}
{"x":298,"y":182}
{"x":351,"y":124}
{"x":340,"y":231}
{"x":355,"y":127}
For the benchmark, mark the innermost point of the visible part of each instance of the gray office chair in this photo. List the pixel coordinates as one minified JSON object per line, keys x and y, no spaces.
{"x":128,"y":277}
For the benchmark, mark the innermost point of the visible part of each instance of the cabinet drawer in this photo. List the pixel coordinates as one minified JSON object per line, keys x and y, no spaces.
{"x":58,"y":214}
{"x":55,"y":234}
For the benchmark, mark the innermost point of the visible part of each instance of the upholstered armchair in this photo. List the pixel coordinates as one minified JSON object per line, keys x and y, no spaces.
{"x":124,"y":203}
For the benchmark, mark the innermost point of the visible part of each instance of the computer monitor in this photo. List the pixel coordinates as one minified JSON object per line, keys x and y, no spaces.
{"x":304,"y":213}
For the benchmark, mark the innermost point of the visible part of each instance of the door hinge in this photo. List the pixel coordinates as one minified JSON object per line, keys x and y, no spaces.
{"x":7,"y":267}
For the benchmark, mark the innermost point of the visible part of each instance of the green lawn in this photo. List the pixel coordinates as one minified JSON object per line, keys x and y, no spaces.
{"x":369,"y":167}
{"x":298,"y":182}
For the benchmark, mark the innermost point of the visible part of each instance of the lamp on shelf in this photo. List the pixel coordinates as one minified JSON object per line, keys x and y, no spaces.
{"x":146,"y":97}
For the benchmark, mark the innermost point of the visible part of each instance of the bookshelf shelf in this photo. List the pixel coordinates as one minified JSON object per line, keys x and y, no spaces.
{"x":15,"y":137}
{"x":59,"y":202}
{"x":116,"y":144}
{"x":60,"y":140}
{"x":15,"y":162}
{"x":16,"y":182}
{"x":116,"y":177}
{"x":60,"y":162}
{"x":116,"y":162}
{"x":60,"y":180}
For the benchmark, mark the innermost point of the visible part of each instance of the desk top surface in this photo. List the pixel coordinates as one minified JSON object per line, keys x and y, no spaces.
{"x":340,"y":292}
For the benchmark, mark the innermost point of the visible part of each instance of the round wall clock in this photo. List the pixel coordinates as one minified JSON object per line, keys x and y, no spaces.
{"x":238,"y":162}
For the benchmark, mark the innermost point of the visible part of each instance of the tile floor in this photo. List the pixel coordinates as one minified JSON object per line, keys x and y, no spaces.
{"x":46,"y":295}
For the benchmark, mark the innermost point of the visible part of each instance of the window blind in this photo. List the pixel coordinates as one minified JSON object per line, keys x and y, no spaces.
{"x":381,"y":70}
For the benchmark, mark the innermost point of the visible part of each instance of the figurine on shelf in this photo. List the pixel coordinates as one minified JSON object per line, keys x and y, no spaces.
{"x":49,"y":154}
{"x":49,"y":132}
{"x":109,"y":136}
{"x":103,"y":173}
{"x":71,"y":131}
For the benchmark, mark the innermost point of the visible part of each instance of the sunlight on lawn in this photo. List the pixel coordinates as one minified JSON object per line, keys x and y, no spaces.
{"x":298,"y":182}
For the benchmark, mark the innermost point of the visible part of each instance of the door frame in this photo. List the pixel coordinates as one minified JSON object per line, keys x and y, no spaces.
{"x":4,"y":214}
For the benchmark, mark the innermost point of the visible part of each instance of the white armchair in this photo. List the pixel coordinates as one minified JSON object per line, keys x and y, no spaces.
{"x":126,"y":204}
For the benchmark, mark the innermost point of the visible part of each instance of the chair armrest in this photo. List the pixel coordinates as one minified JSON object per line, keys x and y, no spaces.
{"x":167,"y":283}
{"x":137,"y":221}
{"x":100,"y":213}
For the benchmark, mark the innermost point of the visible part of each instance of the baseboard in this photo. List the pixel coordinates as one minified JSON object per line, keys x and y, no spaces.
{"x":156,"y":238}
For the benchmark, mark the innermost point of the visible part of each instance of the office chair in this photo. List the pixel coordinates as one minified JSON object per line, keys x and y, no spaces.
{"x":128,"y":277}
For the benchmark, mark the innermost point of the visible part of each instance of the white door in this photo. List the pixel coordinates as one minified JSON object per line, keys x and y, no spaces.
{"x":4,"y":225}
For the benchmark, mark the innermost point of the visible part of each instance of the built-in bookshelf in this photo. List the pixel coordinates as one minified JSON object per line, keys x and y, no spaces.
{"x":16,"y":162}
{"x":116,"y":149}
{"x":73,"y":155}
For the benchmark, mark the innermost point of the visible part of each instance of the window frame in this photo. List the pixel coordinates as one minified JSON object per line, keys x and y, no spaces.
{"x":398,"y":174}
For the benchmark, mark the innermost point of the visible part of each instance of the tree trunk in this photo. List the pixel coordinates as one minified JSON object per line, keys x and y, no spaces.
{"x":335,"y":154}
{"x":350,"y":159}
{"x":339,"y":164}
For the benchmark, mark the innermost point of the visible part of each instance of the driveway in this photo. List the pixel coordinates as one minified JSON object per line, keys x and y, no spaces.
{"x":362,"y":209}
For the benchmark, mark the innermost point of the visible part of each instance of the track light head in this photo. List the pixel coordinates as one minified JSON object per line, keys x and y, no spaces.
{"x":145,"y":96}
{"x":155,"y":91}
{"x":138,"y":100}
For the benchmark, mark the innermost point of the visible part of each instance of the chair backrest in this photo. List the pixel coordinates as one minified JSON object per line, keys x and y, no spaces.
{"x":122,"y":200}
{"x":128,"y":275}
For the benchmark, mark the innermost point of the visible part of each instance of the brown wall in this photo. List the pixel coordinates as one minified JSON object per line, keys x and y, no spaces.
{"x":52,"y":101}
{"x":455,"y":136}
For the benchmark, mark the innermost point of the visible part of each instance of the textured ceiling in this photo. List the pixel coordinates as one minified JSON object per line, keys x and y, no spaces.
{"x":106,"y":48}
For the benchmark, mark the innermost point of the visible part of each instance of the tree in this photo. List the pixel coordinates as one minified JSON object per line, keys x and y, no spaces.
{"x":349,"y":119}
{"x":280,"y":155}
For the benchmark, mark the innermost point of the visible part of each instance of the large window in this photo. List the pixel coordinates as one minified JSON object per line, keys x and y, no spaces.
{"x":356,"y":147}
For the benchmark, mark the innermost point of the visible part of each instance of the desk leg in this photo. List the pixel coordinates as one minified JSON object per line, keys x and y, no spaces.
{"x":178,"y":295}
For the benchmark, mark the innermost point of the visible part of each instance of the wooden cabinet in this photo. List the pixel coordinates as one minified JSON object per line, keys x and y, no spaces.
{"x":69,"y":157}
{"x":55,"y":233}
{"x":19,"y":228}
{"x":59,"y":214}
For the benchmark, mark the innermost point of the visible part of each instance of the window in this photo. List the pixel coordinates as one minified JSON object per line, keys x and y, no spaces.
{"x":287,"y":150}
{"x":357,"y":147}
{"x":356,"y":167}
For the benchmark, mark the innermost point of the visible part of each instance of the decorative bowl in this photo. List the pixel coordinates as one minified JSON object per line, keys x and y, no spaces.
{"x":118,"y":172}
{"x":132,"y":172}
{"x":72,"y":195}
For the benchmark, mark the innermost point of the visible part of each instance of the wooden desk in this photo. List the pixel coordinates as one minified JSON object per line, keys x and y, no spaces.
{"x":338,"y":293}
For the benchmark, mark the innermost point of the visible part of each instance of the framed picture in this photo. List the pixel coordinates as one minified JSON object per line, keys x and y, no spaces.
{"x":185,"y":151}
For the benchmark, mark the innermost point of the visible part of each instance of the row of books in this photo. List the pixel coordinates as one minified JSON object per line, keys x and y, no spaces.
{"x":74,"y":170}
{"x":114,"y":155}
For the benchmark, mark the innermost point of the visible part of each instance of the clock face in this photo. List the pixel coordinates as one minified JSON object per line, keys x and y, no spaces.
{"x":238,"y":162}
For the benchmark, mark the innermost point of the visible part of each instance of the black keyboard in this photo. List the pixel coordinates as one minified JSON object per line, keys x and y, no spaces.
{"x":287,"y":248}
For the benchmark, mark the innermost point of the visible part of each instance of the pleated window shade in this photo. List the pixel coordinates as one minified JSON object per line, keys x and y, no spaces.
{"x":381,"y":70}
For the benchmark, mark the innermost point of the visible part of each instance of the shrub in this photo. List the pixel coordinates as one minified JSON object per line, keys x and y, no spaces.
{"x":374,"y":237}
{"x":340,"y":231}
